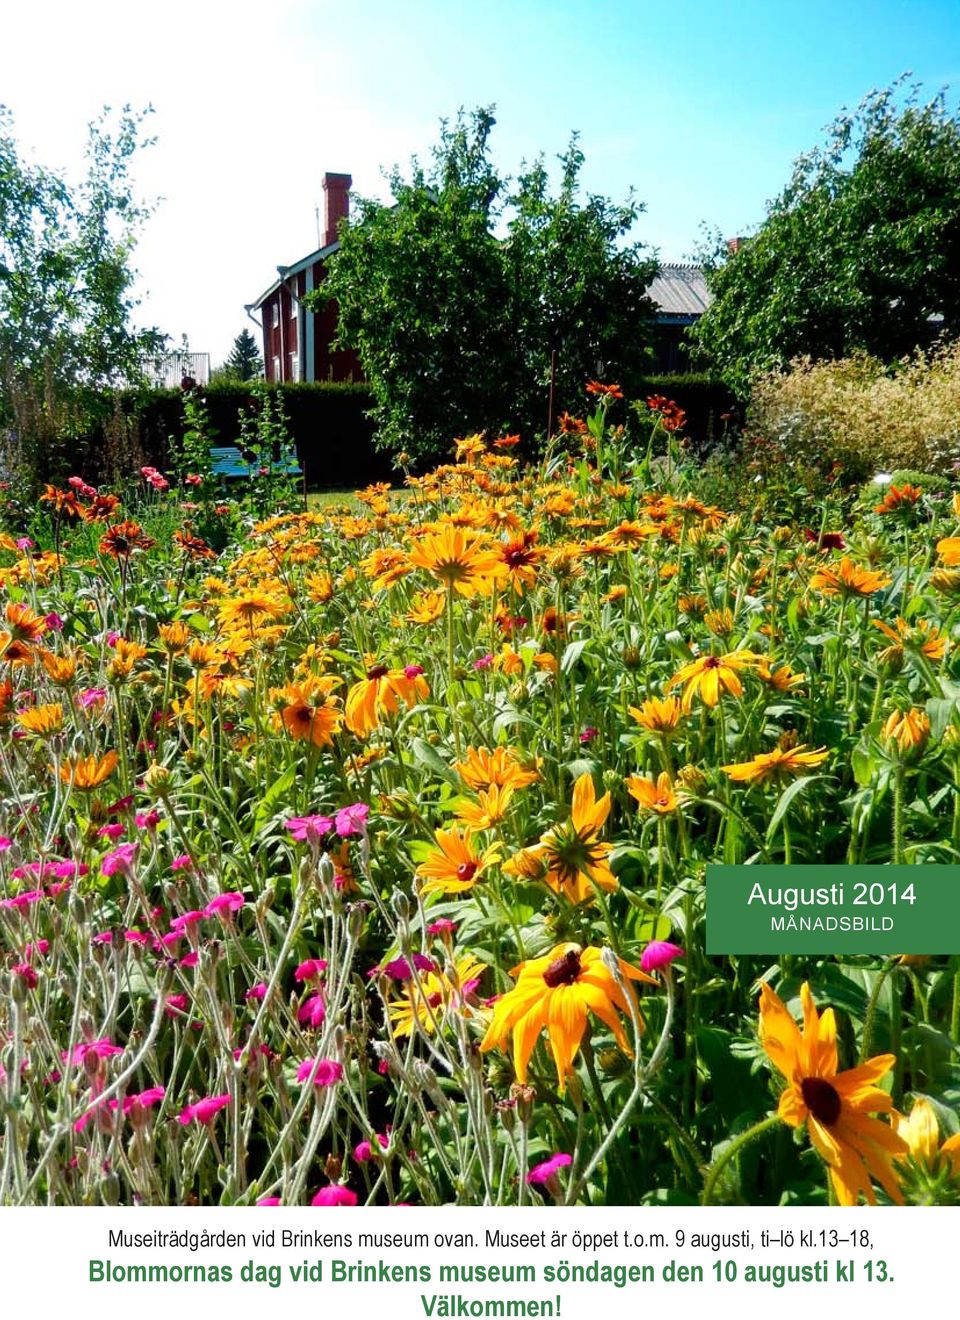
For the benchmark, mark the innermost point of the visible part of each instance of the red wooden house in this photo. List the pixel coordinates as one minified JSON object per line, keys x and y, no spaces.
{"x":296,"y":343}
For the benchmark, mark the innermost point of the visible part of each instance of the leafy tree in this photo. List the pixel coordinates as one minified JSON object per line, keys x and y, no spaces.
{"x":456,"y":295}
{"x":859,"y":252}
{"x":244,"y":361}
{"x":65,"y":292}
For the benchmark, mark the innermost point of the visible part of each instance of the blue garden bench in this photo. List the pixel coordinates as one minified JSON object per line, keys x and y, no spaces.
{"x":228,"y":461}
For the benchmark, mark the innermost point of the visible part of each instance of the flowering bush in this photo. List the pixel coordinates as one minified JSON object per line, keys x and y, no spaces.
{"x":364,"y":860}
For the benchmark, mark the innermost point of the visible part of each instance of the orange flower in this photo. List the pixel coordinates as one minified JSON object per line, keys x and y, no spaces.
{"x":777,"y":766}
{"x":380,"y":694}
{"x":712,"y":675}
{"x":311,"y":713}
{"x":121,"y":540}
{"x":658,"y":797}
{"x":454,"y":867}
{"x":42,"y":720}
{"x":572,"y":857}
{"x":899,"y":498}
{"x":847,"y":579}
{"x":89,"y":772}
{"x":520,"y":555}
{"x":482,"y":769}
{"x":462,"y":560}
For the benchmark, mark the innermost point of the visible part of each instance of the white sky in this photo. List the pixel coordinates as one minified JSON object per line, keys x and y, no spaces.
{"x":702,"y":104}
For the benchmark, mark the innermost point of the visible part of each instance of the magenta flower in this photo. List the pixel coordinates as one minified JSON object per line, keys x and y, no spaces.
{"x":413,"y":671}
{"x":334,"y":1194}
{"x":310,"y":969}
{"x":91,"y":697}
{"x":588,"y":734}
{"x":24,"y":900}
{"x":308,"y":829}
{"x":186,"y":920}
{"x":175,"y":1005}
{"x":659,"y":953}
{"x":54,"y":621}
{"x":352,"y":820}
{"x":257,"y":991}
{"x":26,"y":973}
{"x":542,"y":1173}
{"x":225,"y":904}
{"x":100,"y":1049}
{"x":364,"y":1151}
{"x":266,"y":1200}
{"x":312,"y":1011}
{"x":145,"y":1099}
{"x":322,"y":1072}
{"x":400,"y":970}
{"x":182,"y":862}
{"x":121,"y":859}
{"x":484,"y":662}
{"x":148,"y":820}
{"x":203,"y":1111}
{"x":24,"y":543}
{"x":112,"y":832}
{"x":442,"y":926}
{"x":5,"y":843}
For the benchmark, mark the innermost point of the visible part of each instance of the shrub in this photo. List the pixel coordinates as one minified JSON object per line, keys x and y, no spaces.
{"x":864,"y":415}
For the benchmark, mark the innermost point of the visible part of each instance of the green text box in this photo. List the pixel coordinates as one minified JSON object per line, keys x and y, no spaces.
{"x":833,"y":909}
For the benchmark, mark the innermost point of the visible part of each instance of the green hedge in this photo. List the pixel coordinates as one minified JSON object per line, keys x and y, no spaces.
{"x":328,"y":421}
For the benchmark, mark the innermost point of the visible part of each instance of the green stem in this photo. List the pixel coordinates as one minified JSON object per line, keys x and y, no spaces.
{"x":734,"y":1149}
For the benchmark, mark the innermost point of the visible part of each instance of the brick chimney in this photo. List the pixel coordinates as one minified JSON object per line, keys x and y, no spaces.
{"x":336,"y":204}
{"x":734,"y":245}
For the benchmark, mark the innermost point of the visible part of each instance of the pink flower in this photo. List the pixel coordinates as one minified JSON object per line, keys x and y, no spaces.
{"x":308,"y":829}
{"x":54,"y":621}
{"x":190,"y":959}
{"x":659,"y":953}
{"x":24,"y":543}
{"x":192,"y":479}
{"x":334,"y":1194}
{"x":322,"y":1072}
{"x":484,"y":662}
{"x":364,"y":1151}
{"x":26,"y":974}
{"x":310,"y":969}
{"x":147,"y":820}
{"x":266,"y":1200}
{"x":183,"y":862}
{"x":187,"y":919}
{"x":442,"y":926}
{"x":112,"y":832}
{"x":121,"y":859}
{"x":175,"y":1005}
{"x":225,"y":904}
{"x":413,"y":671}
{"x":101,"y":1049}
{"x":542,"y":1173}
{"x":312,"y":1011}
{"x":151,"y":1096}
{"x":5,"y":843}
{"x":136,"y":936}
{"x":400,"y":970}
{"x":257,"y":991}
{"x":91,"y":697}
{"x":203,"y":1111}
{"x":588,"y":734}
{"x":24,"y":900}
{"x":352,"y":820}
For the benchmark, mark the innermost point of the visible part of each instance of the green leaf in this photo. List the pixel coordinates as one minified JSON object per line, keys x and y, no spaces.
{"x":427,"y":756}
{"x":786,"y":797}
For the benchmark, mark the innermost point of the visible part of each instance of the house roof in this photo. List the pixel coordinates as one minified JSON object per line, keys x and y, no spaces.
{"x":285,"y":272}
{"x":680,"y":290}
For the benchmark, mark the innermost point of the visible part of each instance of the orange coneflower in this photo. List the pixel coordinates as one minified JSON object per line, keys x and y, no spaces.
{"x":502,"y":768}
{"x":86,"y":773}
{"x":907,"y":731}
{"x":454,"y":866}
{"x":489,"y":809}
{"x":42,"y":720}
{"x":554,"y":994}
{"x":23,"y":625}
{"x":658,"y":716}
{"x":520,"y":556}
{"x":846,"y":578}
{"x":836,"y":1106}
{"x":778,"y":766}
{"x":123,"y":538}
{"x":899,"y":498}
{"x":380,"y":694}
{"x":61,"y":669}
{"x":573,"y":860}
{"x":657,"y":795}
{"x":194,"y":547}
{"x":310,"y":712}
{"x":462,"y":560}
{"x":712,"y":675}
{"x":921,"y":638}
{"x":249,"y":608}
{"x":430,"y":996}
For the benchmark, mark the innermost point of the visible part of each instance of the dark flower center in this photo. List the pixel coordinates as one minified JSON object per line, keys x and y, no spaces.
{"x":564,"y":970}
{"x":377,"y":671}
{"x":712,"y":662}
{"x":466,"y":871}
{"x":821,"y":1099}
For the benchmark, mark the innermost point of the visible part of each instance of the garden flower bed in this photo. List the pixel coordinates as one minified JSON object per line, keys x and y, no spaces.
{"x":363,"y":861}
